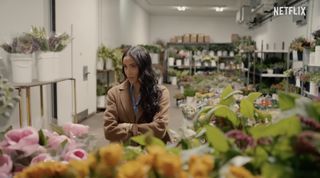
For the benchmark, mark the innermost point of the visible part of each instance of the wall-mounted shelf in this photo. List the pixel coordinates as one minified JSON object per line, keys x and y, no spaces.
{"x":271,"y":51}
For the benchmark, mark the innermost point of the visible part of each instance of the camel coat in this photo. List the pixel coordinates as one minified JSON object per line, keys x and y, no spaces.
{"x":119,"y":110}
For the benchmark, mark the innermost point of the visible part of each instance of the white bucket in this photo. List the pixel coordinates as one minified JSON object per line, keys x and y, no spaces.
{"x":231,"y":54}
{"x":170,"y":61}
{"x":181,"y":89}
{"x":312,"y":58}
{"x":186,"y":61}
{"x":189,"y":99}
{"x":219,"y":53}
{"x":295,"y":55}
{"x":21,"y":68}
{"x":317,"y":56}
{"x":100,"y":64}
{"x":206,"y":63}
{"x":213,"y":63}
{"x":198,"y":63}
{"x":225,"y":53}
{"x":173,"y":80}
{"x":154,"y":58}
{"x":270,"y":71}
{"x":101,"y":101}
{"x":211,"y":53}
{"x":57,"y":66}
{"x":45,"y":66}
{"x":314,"y":90}
{"x":221,"y":66}
{"x":275,"y":97}
{"x":109,"y":64}
{"x":178,"y":62}
{"x":297,"y":81}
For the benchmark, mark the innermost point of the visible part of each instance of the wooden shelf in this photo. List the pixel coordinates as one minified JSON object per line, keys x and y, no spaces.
{"x":271,"y":51}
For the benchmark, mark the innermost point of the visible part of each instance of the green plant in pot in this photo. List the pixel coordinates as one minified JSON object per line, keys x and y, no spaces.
{"x":189,"y":93}
{"x":117,"y":63}
{"x":179,"y":98}
{"x":104,"y":53}
{"x":101,"y":96}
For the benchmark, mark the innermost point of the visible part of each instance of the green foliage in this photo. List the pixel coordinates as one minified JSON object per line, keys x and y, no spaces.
{"x":101,"y":91}
{"x":151,"y":48}
{"x":217,"y":139}
{"x":189,"y":92}
{"x":104,"y":53}
{"x":42,"y":139}
{"x":143,"y":140}
{"x":172,"y":72}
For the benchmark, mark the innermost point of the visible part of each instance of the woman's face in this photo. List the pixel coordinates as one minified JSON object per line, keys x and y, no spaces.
{"x":131,"y":69}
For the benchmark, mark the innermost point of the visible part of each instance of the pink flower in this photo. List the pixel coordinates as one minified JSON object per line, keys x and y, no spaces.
{"x":48,"y":133}
{"x":5,"y":165}
{"x":57,"y":140}
{"x":41,"y":158}
{"x":25,"y":139}
{"x":77,"y":154}
{"x":75,"y":129}
{"x":4,"y":147}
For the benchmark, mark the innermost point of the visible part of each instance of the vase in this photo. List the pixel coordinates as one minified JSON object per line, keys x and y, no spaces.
{"x":314,"y":90}
{"x":198,"y":63}
{"x":307,"y":86}
{"x":292,"y":80}
{"x":170,"y":61}
{"x":100,"y":64}
{"x":181,"y":89}
{"x":295,"y":55}
{"x":206,"y":63}
{"x":101,"y":101}
{"x":231,"y":54}
{"x":109,"y":64}
{"x":300,"y":55}
{"x":21,"y":68}
{"x":211,"y":53}
{"x":270,"y":71}
{"x":189,"y":99}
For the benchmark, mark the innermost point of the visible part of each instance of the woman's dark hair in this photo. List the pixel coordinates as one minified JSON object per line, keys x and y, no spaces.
{"x":150,"y":92}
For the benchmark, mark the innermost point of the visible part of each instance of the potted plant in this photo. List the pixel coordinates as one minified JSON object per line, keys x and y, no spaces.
{"x":214,"y":60}
{"x":173,"y":76}
{"x":206,"y":60}
{"x":101,"y":95}
{"x":20,"y":51}
{"x":317,"y":52}
{"x":189,"y":93}
{"x":305,"y":77}
{"x":179,"y":98}
{"x":270,"y":69}
{"x":159,"y":75}
{"x":199,"y":50}
{"x":171,"y":54}
{"x":178,"y":58}
{"x":105,"y":60}
{"x":117,"y":63}
{"x":291,"y":78}
{"x":315,"y":83}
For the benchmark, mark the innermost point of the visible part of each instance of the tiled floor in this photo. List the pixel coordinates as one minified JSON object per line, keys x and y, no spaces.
{"x":176,"y":118}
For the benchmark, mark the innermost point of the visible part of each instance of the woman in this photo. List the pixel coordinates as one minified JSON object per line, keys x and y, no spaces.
{"x":139,"y":104}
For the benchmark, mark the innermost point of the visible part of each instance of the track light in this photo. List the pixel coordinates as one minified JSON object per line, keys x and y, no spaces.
{"x":182,"y":8}
{"x":219,"y":9}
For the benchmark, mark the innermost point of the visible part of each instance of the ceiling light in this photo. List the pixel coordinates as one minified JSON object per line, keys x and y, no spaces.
{"x":221,"y":9}
{"x":182,"y":8}
{"x":217,"y":9}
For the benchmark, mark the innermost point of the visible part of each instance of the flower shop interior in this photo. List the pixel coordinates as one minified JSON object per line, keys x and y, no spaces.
{"x":243,"y":78}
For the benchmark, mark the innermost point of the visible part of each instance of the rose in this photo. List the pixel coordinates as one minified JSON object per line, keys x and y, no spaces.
{"x":77,"y":154}
{"x":5,"y":165}
{"x":41,"y":158}
{"x":25,"y":139}
{"x":55,"y":142}
{"x":75,"y":129}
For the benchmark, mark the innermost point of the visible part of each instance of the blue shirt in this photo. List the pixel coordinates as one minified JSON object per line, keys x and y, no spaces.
{"x":134,"y":103}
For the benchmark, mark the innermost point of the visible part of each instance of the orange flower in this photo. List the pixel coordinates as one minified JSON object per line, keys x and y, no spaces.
{"x":145,"y":159}
{"x":169,"y":165}
{"x":201,"y":166}
{"x":111,"y":154}
{"x":133,"y":169}
{"x":241,"y":172}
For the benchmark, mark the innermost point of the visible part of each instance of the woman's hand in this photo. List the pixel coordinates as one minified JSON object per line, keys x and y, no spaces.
{"x":126,"y":126}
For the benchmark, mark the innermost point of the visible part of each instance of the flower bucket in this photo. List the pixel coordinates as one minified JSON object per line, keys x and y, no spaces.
{"x":270,"y":71}
{"x":101,"y":101}
{"x":56,"y":69}
{"x":198,"y":63}
{"x":100,"y":64}
{"x":221,"y":66}
{"x":109,"y":64}
{"x":275,"y":97}
{"x":21,"y":68}
{"x":173,"y":80}
{"x":231,"y":54}
{"x":206,"y":63}
{"x":314,"y":90}
{"x":189,"y":99}
{"x":312,"y":58}
{"x":317,"y":56}
{"x":45,"y":66}
{"x":211,"y":53}
{"x":213,"y":63}
{"x":186,"y":61}
{"x":170,"y":61}
{"x":178,"y":62}
{"x":219,"y":53}
{"x":154,"y":58}
{"x":300,"y":55}
{"x":225,"y":53}
{"x":295,"y":55}
{"x":297,"y":81}
{"x":181,"y":89}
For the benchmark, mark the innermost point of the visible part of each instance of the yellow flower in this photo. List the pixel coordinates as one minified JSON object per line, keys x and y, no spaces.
{"x":102,"y":170}
{"x":200,"y":166}
{"x":183,"y":174}
{"x":133,"y":169}
{"x":80,"y":167}
{"x":91,"y":161}
{"x":156,"y":150}
{"x":169,"y":165}
{"x":241,"y":172}
{"x":43,"y":169}
{"x":145,"y":159}
{"x":111,"y":154}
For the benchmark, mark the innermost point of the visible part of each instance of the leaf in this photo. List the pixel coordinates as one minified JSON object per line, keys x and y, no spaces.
{"x":42,"y":138}
{"x":8,"y":129}
{"x":277,"y":170}
{"x":316,"y":105}
{"x":286,"y":127}
{"x":57,"y":129}
{"x":230,"y":101}
{"x":247,"y":108}
{"x":157,"y":142}
{"x":260,"y":114}
{"x":1,"y":153}
{"x":253,"y":96}
{"x":231,"y":94}
{"x":260,"y":157}
{"x":222,"y":111}
{"x":128,"y":143}
{"x":175,"y":151}
{"x":63,"y":144}
{"x":203,"y":149}
{"x":201,"y":133}
{"x":140,"y":139}
{"x":287,"y":101}
{"x":217,"y":139}
{"x":195,"y":119}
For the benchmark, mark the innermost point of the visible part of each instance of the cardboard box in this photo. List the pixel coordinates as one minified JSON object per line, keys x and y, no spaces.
{"x":207,"y":39}
{"x":173,"y":39}
{"x":186,"y":35}
{"x":247,"y":37}
{"x":179,"y":39}
{"x":234,"y":38}
{"x":200,"y":38}
{"x":186,"y":39}
{"x":193,"y":39}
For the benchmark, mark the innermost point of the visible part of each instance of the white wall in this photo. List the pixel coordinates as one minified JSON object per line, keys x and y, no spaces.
{"x":123,"y":22}
{"x":79,"y":18}
{"x":16,"y":17}
{"x":218,"y":28}
{"x":283,"y":29}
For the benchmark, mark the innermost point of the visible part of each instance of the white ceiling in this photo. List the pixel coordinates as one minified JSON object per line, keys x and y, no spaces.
{"x":193,"y":7}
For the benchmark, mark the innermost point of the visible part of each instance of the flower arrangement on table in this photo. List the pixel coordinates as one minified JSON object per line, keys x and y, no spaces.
{"x":27,"y":146}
